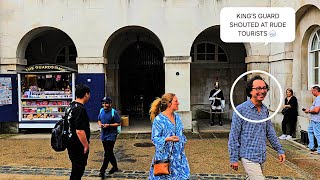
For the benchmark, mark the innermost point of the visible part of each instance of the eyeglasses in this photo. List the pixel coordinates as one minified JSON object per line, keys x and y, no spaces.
{"x":105,"y":103}
{"x":261,"y":88}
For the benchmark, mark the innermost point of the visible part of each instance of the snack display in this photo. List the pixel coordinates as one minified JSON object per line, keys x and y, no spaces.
{"x":47,"y":94}
{"x":35,"y":109}
{"x":44,"y":96}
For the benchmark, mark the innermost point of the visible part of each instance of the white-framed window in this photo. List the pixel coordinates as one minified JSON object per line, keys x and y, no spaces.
{"x":208,"y":52}
{"x":313,"y":59}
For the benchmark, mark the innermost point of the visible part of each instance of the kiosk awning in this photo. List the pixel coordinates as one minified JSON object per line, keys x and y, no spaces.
{"x":47,"y":68}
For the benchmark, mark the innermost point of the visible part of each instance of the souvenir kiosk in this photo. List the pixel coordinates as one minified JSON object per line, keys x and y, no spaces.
{"x":44,"y":91}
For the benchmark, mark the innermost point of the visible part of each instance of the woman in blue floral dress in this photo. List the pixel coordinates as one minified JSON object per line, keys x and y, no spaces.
{"x":168,"y":137}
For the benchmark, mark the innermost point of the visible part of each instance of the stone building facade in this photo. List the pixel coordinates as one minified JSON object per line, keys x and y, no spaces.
{"x":143,"y":48}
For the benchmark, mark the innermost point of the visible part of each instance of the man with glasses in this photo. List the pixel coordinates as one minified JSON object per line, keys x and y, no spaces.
{"x":108,"y":121}
{"x":247,"y":140}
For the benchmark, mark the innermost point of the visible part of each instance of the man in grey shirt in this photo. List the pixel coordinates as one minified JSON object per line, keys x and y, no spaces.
{"x":314,"y":126}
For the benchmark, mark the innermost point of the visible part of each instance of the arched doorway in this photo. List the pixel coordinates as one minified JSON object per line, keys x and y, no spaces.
{"x":135,"y":71}
{"x":48,"y":45}
{"x":215,"y":61}
{"x":141,"y":78}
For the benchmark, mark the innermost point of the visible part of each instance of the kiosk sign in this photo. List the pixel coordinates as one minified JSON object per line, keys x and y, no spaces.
{"x":45,"y":68}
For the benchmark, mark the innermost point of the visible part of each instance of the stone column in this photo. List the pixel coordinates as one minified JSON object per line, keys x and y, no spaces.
{"x":259,"y":63}
{"x":92,"y":71}
{"x":91,"y":64}
{"x":9,"y":65}
{"x":113,"y":82}
{"x":177,"y":80}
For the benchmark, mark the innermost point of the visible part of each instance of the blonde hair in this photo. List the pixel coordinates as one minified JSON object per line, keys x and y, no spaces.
{"x":160,"y":104}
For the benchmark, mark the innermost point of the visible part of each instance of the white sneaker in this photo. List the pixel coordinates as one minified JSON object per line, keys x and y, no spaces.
{"x":283,"y":136}
{"x":288,"y":137}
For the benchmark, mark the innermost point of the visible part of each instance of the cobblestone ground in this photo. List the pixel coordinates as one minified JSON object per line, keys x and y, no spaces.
{"x":18,"y":160}
{"x":31,"y":170}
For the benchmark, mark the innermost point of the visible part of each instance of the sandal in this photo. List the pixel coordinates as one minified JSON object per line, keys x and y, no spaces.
{"x":315,"y":153}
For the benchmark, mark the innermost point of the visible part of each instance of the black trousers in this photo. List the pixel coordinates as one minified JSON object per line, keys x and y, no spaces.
{"x":290,"y":121}
{"x":78,"y":160}
{"x":213,"y":114}
{"x":108,"y":155}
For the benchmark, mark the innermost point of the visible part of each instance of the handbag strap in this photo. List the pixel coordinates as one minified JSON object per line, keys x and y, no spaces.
{"x":175,"y":133}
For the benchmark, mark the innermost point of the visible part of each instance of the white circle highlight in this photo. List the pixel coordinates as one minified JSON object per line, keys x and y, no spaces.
{"x":251,"y":72}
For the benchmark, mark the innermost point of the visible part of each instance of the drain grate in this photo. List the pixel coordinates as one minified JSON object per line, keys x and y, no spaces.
{"x":145,"y":144}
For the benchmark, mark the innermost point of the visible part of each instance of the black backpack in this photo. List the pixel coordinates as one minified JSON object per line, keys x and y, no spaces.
{"x":61,"y":132}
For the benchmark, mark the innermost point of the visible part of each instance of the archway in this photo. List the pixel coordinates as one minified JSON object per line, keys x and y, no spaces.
{"x":135,"y":71}
{"x":215,"y":61}
{"x":47,"y":45}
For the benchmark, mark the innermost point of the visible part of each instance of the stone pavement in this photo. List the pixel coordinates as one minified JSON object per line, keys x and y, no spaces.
{"x":297,"y":154}
{"x":32,"y":170}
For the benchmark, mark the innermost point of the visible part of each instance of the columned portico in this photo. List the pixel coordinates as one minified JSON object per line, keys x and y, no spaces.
{"x":177,"y":81}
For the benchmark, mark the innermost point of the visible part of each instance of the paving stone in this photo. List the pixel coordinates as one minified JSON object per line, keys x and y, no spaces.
{"x":271,"y":177}
{"x":123,"y":174}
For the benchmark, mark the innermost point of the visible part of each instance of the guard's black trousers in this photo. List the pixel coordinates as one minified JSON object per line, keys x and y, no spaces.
{"x":108,"y":155}
{"x":78,"y":160}
{"x":213,"y":114}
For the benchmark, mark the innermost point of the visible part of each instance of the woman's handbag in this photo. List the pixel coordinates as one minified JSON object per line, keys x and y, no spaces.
{"x":161,"y":167}
{"x":284,"y":111}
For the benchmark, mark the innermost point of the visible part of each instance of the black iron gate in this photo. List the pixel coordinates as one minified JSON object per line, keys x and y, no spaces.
{"x":141,"y":78}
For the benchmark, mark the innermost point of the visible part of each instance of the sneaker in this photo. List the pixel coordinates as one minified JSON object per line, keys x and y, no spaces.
{"x":288,"y":137}
{"x":313,"y":149}
{"x":102,"y":175}
{"x":283,"y":136}
{"x":112,"y":170}
{"x":211,"y":123}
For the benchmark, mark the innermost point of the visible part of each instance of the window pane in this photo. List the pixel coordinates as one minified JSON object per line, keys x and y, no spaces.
{"x":316,"y":59}
{"x":210,"y":48}
{"x":62,"y":52}
{"x":316,"y":76}
{"x":314,"y":43}
{"x":201,"y":57}
{"x":60,"y":59}
{"x":222,"y":58}
{"x":220,"y":50}
{"x":311,"y":60}
{"x":210,"y":57}
{"x":201,"y":48}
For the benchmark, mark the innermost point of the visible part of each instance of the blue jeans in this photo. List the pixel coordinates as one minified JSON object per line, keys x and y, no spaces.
{"x":314,"y":131}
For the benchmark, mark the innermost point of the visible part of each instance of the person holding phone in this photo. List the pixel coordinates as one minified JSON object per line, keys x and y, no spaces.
{"x":314,"y":126}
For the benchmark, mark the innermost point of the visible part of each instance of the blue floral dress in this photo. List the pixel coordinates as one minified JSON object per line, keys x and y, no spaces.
{"x":162,"y":128}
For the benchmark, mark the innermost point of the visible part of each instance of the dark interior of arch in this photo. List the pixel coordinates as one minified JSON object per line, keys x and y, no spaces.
{"x":51,"y":46}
